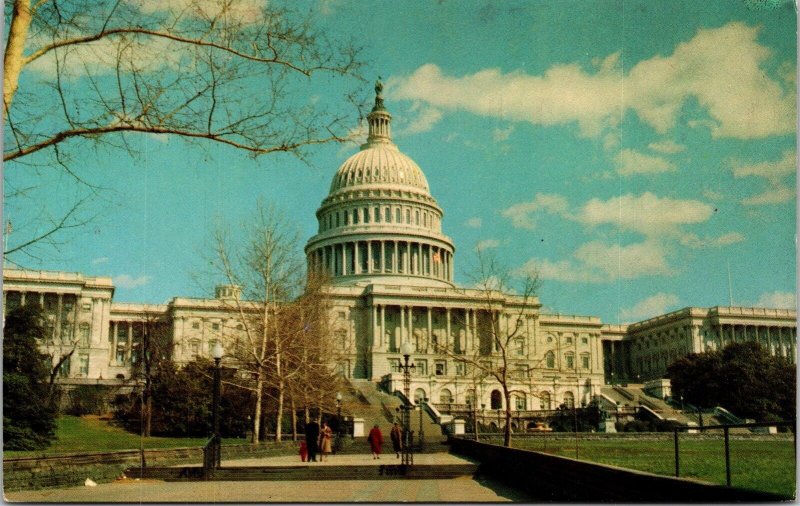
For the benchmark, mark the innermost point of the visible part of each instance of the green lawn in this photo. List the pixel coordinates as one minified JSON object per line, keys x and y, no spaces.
{"x":90,"y":434}
{"x":767,"y":465}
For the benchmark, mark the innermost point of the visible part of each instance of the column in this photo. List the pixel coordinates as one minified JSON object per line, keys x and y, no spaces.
{"x":130,"y":342}
{"x":356,"y":263}
{"x":449,"y":337}
{"x":58,"y":315}
{"x":383,"y":256}
{"x":430,"y":260}
{"x":22,"y":298}
{"x":369,"y":256}
{"x":395,"y":259}
{"x":402,"y":325}
{"x":113,"y":359}
{"x":430,"y":331}
{"x":420,"y":262}
{"x":383,"y":327}
{"x":769,"y":341}
{"x":467,"y":331}
{"x":375,"y":337}
{"x":344,"y":259}
{"x":411,"y":324}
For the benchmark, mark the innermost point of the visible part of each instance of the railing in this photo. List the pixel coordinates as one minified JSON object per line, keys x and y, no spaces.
{"x":726,"y":435}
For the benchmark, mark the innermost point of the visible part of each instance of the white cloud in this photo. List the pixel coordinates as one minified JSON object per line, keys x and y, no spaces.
{"x":630,"y":162}
{"x":777,"y":300}
{"x":424,"y":120}
{"x":647,"y":213}
{"x":720,"y":68}
{"x":127,"y":281}
{"x":487,"y":244}
{"x":474,"y":222}
{"x":99,"y":260}
{"x":654,"y":305}
{"x":772,"y":171}
{"x":502,"y":134}
{"x":696,"y":242}
{"x":775,"y":173}
{"x":521,"y":214}
{"x":667,"y":146}
{"x":596,"y":262}
{"x":614,"y":261}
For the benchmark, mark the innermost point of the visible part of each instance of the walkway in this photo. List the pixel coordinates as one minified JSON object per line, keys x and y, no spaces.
{"x":460,"y":490}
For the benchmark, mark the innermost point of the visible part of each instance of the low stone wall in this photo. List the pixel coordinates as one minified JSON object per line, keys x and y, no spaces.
{"x":553,"y":478}
{"x":73,"y":469}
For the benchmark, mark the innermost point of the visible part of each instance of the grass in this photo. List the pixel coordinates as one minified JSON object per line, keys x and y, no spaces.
{"x":91,"y":434}
{"x":764,"y":465}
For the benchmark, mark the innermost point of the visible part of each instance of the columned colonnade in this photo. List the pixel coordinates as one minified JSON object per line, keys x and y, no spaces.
{"x":384,"y":256}
{"x":778,"y":340}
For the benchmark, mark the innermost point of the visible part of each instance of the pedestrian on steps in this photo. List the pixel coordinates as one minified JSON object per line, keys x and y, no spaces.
{"x":396,"y":436}
{"x":375,"y":439}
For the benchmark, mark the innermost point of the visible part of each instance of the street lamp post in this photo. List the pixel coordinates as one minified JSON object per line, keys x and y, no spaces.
{"x":216,"y":352}
{"x":406,"y":350}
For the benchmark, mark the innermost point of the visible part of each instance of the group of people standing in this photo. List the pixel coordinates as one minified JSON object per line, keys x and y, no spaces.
{"x":318,"y":440}
{"x":375,"y":440}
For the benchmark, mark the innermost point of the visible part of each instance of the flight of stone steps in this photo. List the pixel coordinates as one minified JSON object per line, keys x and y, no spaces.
{"x":364,"y":399}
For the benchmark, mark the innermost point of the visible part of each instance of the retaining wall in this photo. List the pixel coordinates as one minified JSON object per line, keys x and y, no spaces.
{"x":553,"y":478}
{"x":73,"y":469}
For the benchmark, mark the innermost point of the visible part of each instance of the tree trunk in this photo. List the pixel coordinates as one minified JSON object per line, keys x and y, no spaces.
{"x":294,"y":420}
{"x":13,"y":61}
{"x":507,"y":428}
{"x":281,"y":395}
{"x":148,"y":407}
{"x":257,"y":410}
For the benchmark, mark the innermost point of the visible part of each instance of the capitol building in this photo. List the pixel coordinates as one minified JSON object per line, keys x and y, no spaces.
{"x":391,"y":269}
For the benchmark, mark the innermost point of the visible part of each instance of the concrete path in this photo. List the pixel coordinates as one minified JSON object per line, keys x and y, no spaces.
{"x":460,"y":490}
{"x":361,"y":459}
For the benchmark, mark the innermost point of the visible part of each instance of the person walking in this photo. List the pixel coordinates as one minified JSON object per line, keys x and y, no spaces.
{"x":325,"y":437}
{"x":396,"y":435}
{"x":312,"y":435}
{"x":375,"y":439}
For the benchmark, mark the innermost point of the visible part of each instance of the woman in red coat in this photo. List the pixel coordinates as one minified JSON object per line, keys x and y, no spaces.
{"x":375,"y":439}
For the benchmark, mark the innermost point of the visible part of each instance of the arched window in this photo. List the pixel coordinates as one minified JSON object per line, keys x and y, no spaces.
{"x":496,"y":400}
{"x":398,"y":215}
{"x":544,"y":400}
{"x":569,"y":400}
{"x":366,"y":215}
{"x":570,"y":360}
{"x":550,"y":360}
{"x":419,"y":394}
{"x":355,"y":216}
{"x":446,"y":396}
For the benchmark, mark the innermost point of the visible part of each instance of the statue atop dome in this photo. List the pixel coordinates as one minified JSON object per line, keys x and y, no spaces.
{"x":378,"y":96}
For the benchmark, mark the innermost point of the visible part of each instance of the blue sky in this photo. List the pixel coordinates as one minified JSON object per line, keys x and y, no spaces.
{"x":630,"y":152}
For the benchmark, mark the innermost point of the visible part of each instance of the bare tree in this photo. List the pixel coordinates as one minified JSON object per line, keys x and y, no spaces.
{"x":267,"y":269}
{"x":504,"y":302}
{"x":242,"y":73}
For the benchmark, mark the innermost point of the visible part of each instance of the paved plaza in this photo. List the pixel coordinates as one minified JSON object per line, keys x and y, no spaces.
{"x":460,"y":490}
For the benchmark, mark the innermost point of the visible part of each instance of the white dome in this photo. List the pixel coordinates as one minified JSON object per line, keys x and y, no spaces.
{"x":381,"y":164}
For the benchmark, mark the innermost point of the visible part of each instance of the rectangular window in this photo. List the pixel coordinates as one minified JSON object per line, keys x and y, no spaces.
{"x":570,"y":361}
{"x":120,"y":355}
{"x":441,"y":368}
{"x":366,"y":215}
{"x":215,"y":326}
{"x":63,"y":371}
{"x":461,"y":369}
{"x":122,"y":332}
{"x":387,"y":215}
{"x":394,"y":364}
{"x":84,"y":335}
{"x":86,"y":306}
{"x":521,"y":372}
{"x":521,"y":404}
{"x":422,"y":367}
{"x":584,"y":340}
{"x":377,"y":212}
{"x":195,"y":325}
{"x":520,"y":347}
{"x":585,"y":361}
{"x":84,"y":365}
{"x":355,"y":216}
{"x":569,"y":340}
{"x":194,"y":349}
